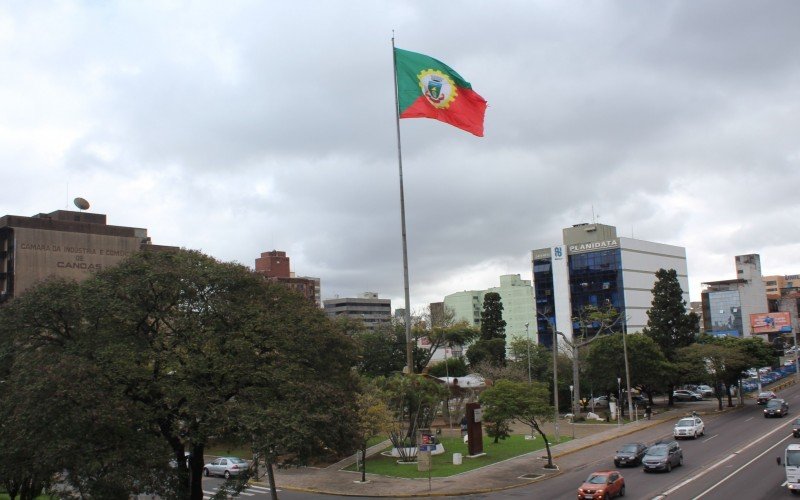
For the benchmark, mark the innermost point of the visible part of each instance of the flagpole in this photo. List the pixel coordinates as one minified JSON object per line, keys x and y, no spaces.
{"x":407,"y":315}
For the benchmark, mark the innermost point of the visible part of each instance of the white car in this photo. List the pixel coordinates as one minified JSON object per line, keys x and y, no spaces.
{"x":226,"y":467}
{"x":689,"y":427}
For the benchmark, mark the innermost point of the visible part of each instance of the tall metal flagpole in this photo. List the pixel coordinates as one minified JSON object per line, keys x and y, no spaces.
{"x":407,"y":316}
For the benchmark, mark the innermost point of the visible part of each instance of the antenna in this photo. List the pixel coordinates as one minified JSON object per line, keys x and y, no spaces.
{"x":81,"y":203}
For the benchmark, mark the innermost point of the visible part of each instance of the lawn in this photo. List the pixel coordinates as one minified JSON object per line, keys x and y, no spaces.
{"x":442,"y":465}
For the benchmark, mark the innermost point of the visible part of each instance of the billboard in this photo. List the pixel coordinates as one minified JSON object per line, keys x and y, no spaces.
{"x":771,"y":322}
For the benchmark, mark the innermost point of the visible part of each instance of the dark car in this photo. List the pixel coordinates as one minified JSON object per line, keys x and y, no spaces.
{"x":602,"y":485}
{"x":663,"y":456}
{"x":765,"y":396}
{"x":684,"y":395}
{"x":796,"y":428}
{"x":776,"y":408}
{"x":630,"y":454}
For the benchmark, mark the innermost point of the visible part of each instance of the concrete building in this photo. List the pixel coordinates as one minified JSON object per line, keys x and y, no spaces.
{"x":63,"y":243}
{"x":516,"y":295}
{"x":728,"y":304}
{"x":776,"y":284}
{"x":275,"y":266}
{"x":372,"y":310}
{"x":593,"y":265}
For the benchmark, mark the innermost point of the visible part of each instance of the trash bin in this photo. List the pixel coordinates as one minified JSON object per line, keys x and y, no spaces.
{"x":456,"y":458}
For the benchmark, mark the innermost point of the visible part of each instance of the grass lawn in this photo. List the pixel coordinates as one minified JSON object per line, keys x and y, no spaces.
{"x":228,"y":450}
{"x":442,"y":465}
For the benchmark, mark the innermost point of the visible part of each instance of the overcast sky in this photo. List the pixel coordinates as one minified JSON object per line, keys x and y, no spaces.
{"x":240,"y":127}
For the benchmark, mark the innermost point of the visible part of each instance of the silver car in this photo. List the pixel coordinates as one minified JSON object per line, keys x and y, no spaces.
{"x":226,"y":467}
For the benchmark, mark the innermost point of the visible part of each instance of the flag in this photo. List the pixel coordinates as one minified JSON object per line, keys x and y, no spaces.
{"x":427,"y":88}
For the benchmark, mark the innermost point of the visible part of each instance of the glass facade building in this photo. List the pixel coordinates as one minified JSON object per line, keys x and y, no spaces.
{"x":595,"y":278}
{"x":545,"y":303}
{"x":723,"y":313}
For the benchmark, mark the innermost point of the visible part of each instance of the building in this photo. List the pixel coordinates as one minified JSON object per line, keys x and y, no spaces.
{"x":729,"y":304}
{"x":275,"y":266}
{"x":593,"y":266}
{"x":373,"y":311}
{"x":776,"y":284}
{"x":64,"y":244}
{"x":516,"y":295}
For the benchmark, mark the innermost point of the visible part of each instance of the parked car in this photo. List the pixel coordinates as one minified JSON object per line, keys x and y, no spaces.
{"x":226,"y":467}
{"x":796,"y":428}
{"x":689,"y":427}
{"x":765,"y":396}
{"x":599,"y":401}
{"x":602,"y":485}
{"x":776,"y":408}
{"x":630,"y":454}
{"x":705,"y":390}
{"x":663,"y":456}
{"x":685,"y":395}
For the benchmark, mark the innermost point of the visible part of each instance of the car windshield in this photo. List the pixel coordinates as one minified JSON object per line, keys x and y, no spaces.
{"x":657,"y":451}
{"x":764,"y":395}
{"x":792,"y":457}
{"x":685,"y":423}
{"x":237,"y":460}
{"x":596,"y":479}
{"x":774,"y":403}
{"x":628,"y":448}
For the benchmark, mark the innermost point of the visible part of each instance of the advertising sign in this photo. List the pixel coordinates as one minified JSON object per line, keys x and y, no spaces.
{"x":771,"y":322}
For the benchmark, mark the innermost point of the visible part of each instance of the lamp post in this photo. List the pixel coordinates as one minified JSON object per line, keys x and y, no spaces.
{"x":572,"y":394}
{"x":528,"y":336}
{"x":627,"y":370}
{"x":555,"y":381}
{"x":619,"y":393}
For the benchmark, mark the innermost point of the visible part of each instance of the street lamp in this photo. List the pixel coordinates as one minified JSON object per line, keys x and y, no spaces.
{"x":555,"y":381}
{"x":619,"y":393}
{"x":528,"y":336}
{"x":572,"y":395}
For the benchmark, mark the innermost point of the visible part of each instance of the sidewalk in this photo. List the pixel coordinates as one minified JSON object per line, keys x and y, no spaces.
{"x":511,"y":473}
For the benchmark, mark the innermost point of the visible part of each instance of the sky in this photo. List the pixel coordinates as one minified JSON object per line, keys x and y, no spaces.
{"x":241,"y":127}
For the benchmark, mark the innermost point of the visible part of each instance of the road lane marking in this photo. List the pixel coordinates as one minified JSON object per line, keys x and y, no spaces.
{"x":709,"y":438}
{"x":735,"y":453}
{"x":742,"y":467}
{"x":749,"y":419}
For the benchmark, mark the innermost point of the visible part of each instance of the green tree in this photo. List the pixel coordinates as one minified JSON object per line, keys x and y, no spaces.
{"x":453,"y":367}
{"x":491,"y":345}
{"x":381,"y":352}
{"x":712,"y":363}
{"x":199,"y":348}
{"x":526,"y":403}
{"x":605,"y":362}
{"x":668,"y":323}
{"x":374,"y":418}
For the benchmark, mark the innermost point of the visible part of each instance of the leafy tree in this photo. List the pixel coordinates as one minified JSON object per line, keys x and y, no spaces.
{"x":453,"y":367}
{"x":753,"y":352}
{"x":458,"y":334}
{"x":712,"y":363}
{"x":541,"y":359}
{"x":374,"y":417}
{"x":526,"y":403}
{"x":492,"y":342}
{"x":668,"y":322}
{"x":382,"y":352}
{"x":190,"y":348}
{"x":605,"y":362}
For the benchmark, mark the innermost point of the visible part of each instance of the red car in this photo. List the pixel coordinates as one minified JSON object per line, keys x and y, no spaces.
{"x":602,"y":485}
{"x":765,"y":396}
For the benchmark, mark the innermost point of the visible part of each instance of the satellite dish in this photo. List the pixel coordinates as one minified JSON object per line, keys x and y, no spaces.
{"x":81,"y":203}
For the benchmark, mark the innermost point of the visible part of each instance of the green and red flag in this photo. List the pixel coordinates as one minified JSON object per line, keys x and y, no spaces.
{"x":427,"y":88}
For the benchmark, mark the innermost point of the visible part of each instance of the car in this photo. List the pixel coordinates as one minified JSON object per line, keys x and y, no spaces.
{"x":686,"y":395}
{"x":602,"y":485}
{"x":630,"y":454}
{"x":765,"y":396}
{"x":776,"y":408}
{"x":796,"y":428}
{"x":599,"y":401}
{"x":705,"y":390}
{"x":663,"y":456}
{"x":226,"y":467}
{"x":689,"y":427}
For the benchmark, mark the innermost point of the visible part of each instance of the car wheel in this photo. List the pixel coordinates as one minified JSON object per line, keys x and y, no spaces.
{"x":669,"y":466}
{"x":695,"y":435}
{"x":205,"y":472}
{"x":680,"y":461}
{"x":227,"y":475}
{"x":703,"y":432}
{"x":622,"y":491}
{"x":616,"y":464}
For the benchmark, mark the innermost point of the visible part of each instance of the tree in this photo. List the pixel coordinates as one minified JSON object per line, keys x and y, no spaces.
{"x":752,"y":352}
{"x":374,"y":417}
{"x":605,"y":363}
{"x":526,"y":403}
{"x":198,"y":348}
{"x":492,"y":342}
{"x":381,"y":352}
{"x":668,"y":323}
{"x":713,"y":363}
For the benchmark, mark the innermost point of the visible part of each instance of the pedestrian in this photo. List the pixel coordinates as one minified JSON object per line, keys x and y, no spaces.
{"x":648,"y":411}
{"x":464,"y":426}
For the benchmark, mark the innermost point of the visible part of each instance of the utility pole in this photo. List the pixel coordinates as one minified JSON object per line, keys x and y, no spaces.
{"x":555,"y":380}
{"x":627,"y":370}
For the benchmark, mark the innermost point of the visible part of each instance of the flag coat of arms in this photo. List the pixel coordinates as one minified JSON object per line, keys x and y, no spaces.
{"x":428,"y":88}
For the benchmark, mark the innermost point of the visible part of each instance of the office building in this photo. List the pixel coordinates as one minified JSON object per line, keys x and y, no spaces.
{"x":373,"y":311}
{"x":65,"y":244}
{"x":593,"y":266}
{"x":275,"y":266}
{"x":776,"y":284}
{"x":729,"y":304}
